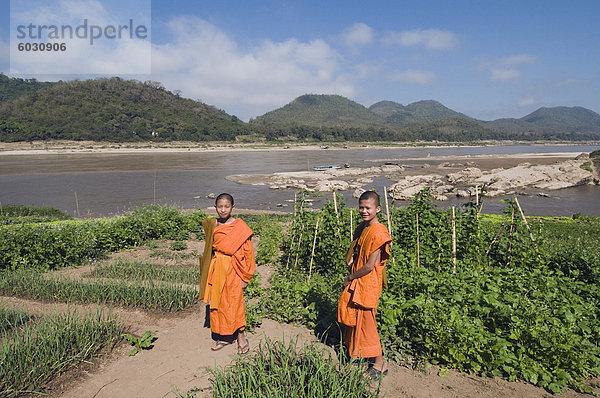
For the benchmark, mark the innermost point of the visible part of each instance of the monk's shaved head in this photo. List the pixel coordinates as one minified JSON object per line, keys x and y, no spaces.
{"x":370,"y":195}
{"x":226,"y":196}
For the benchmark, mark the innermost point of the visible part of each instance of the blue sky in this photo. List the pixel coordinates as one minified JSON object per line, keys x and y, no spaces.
{"x":487,"y":59}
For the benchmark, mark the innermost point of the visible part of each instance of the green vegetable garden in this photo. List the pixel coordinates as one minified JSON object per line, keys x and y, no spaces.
{"x":503,"y":295}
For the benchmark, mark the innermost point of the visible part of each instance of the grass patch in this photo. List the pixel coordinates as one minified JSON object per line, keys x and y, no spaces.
{"x":587,"y":166}
{"x":43,"y":350}
{"x":18,"y":214}
{"x":144,"y":271}
{"x":277,"y":370}
{"x":146,"y":295}
{"x":11,"y":319}
{"x":171,"y":255}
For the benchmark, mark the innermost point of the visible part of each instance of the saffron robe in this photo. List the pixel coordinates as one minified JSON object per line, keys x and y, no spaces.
{"x":358,"y":304}
{"x":231,"y":264}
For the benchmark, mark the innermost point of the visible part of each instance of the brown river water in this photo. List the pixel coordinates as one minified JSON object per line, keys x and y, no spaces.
{"x":100,"y":184}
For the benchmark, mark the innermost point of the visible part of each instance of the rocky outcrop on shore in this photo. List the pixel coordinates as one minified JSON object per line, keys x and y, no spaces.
{"x":496,"y":182}
{"x":319,"y":181}
{"x":443,"y":184}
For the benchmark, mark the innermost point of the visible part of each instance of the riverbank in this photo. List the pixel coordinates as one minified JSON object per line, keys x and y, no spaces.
{"x":101,"y":183}
{"x":74,"y":147}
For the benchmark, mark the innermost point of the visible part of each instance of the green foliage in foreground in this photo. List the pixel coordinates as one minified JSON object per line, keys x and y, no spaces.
{"x":148,"y":295}
{"x":145,"y":271}
{"x":277,"y":370}
{"x":143,"y":342}
{"x":10,"y":319}
{"x":20,"y":214}
{"x":49,"y":246}
{"x":515,"y":323}
{"x":270,"y":231}
{"x":41,"y":351}
{"x":512,"y":306}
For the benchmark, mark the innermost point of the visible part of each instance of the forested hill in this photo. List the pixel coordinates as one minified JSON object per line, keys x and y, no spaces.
{"x":319,"y":110}
{"x":563,"y":121}
{"x":113,"y":110}
{"x":418,"y":112}
{"x":14,"y":88}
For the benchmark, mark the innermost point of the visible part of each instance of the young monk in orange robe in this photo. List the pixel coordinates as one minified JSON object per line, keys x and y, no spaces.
{"x":357,"y":306}
{"x":224,"y":279}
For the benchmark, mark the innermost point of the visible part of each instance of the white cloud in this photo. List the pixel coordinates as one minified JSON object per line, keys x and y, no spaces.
{"x":358,"y":35}
{"x":516,"y":60}
{"x":107,"y":56}
{"x":432,"y":39}
{"x":504,"y":75}
{"x":509,"y":68}
{"x":571,"y":82}
{"x":206,"y":64}
{"x":414,"y":76}
{"x":527,"y":102}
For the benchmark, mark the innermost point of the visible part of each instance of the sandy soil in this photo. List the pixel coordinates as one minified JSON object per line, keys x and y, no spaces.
{"x":181,"y":355}
{"x":58,"y":147}
{"x":65,"y":146}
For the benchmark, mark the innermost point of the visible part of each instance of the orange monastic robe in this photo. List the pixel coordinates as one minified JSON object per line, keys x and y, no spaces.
{"x":358,"y":303}
{"x":231,"y":263}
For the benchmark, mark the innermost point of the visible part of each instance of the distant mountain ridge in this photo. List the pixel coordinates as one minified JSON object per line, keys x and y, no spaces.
{"x":319,"y":110}
{"x":548,"y":121}
{"x":114,"y":109}
{"x":426,"y":111}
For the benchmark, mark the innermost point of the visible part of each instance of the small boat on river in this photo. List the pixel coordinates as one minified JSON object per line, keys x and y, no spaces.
{"x":330,"y":167}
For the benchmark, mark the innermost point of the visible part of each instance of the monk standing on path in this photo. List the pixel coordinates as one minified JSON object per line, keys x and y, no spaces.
{"x":226,"y":268}
{"x":357,"y":306}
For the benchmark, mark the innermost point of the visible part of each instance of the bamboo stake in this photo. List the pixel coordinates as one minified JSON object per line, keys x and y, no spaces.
{"x":154,"y":201}
{"x":77,"y":204}
{"x":295,"y":199}
{"x":298,"y":251}
{"x":351,"y":227}
{"x":512,"y":228}
{"x":524,"y":219}
{"x":496,"y":237}
{"x":335,"y":205}
{"x":389,"y":220}
{"x":337,"y":216}
{"x":313,"y":251}
{"x":418,"y":256}
{"x":453,"y":240}
{"x":387,"y":211}
{"x":287,"y":262}
{"x":477,"y":196}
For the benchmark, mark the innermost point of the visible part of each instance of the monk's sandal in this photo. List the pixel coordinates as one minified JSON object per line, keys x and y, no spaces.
{"x":376,"y":374}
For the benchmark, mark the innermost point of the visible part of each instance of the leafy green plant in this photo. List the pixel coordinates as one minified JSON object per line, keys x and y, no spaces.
{"x":522,"y":301}
{"x":143,"y":342}
{"x":178,"y":245}
{"x":48,"y":246}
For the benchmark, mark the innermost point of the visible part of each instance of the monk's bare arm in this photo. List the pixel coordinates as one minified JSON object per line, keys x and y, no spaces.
{"x":374,"y":258}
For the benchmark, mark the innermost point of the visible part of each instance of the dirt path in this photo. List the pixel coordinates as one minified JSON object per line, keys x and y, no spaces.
{"x":181,"y":355}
